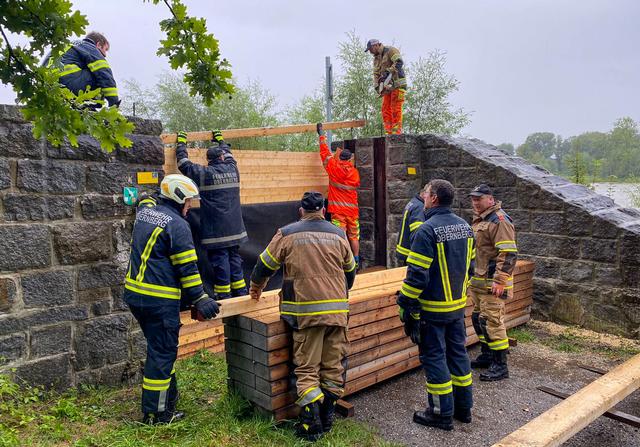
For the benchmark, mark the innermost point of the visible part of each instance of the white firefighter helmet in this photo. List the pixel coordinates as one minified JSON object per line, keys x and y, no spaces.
{"x":178,"y":188}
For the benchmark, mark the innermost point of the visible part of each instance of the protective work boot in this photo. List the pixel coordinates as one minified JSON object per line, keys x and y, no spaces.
{"x":164,"y":417}
{"x":484,"y":359}
{"x":309,"y":426}
{"x":498,"y":369}
{"x":462,"y":415}
{"x":328,"y":410}
{"x":428,"y":419}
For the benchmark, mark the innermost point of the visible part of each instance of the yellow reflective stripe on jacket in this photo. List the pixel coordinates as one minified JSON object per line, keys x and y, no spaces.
{"x":410,"y":291}
{"x":268,"y":260}
{"x":319,"y":307}
{"x":470,"y":251}
{"x":444,"y":272}
{"x":184,"y":257}
{"x":403,"y":251}
{"x":147,"y":252}
{"x":443,"y":306}
{"x":419,"y":260}
{"x":222,"y":288}
{"x":404,"y":221}
{"x":507,"y":246}
{"x":350,"y":266}
{"x":440,"y":388}
{"x":152,"y":289}
{"x":462,"y":380}
{"x":191,"y":281}
{"x":342,"y":186}
{"x":487,"y":283}
{"x":98,"y":65}
{"x":69,"y":69}
{"x":109,"y":91}
{"x":414,"y":226}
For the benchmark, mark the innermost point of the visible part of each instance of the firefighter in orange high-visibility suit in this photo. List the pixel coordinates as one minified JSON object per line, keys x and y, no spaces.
{"x":344,"y":181}
{"x":390,"y":82}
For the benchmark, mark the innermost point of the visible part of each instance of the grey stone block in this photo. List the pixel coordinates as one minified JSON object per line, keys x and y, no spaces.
{"x":496,"y":175}
{"x":111,"y":178}
{"x":438,"y":173}
{"x":146,"y":150}
{"x":364,"y":154}
{"x":577,"y":222}
{"x":60,"y":207}
{"x":603,"y":250}
{"x":521,"y":219}
{"x":365,"y":197}
{"x":7,"y":294}
{"x":607,"y":276}
{"x":397,"y":189}
{"x":77,"y":243}
{"x":401,"y":172}
{"x":145,"y":126}
{"x":138,"y":345}
{"x":117,"y":299}
{"x":97,"y":206}
{"x":23,"y":207}
{"x":13,"y":347}
{"x":546,"y":267}
{"x":101,"y":275}
{"x":554,"y":246}
{"x":88,"y":149}
{"x":397,"y":206}
{"x":366,"y":231}
{"x":50,"y":340}
{"x":551,"y":223}
{"x":25,"y":246}
{"x":575,"y":271}
{"x":30,"y":319}
{"x":438,"y":158}
{"x":18,"y":141}
{"x":11,"y":113}
{"x":366,"y":214}
{"x":630,"y":248}
{"x":532,"y":196}
{"x":50,"y":372}
{"x":101,"y":341}
{"x":49,"y":288}
{"x":50,"y":177}
{"x":366,"y":178}
{"x":5,"y":174}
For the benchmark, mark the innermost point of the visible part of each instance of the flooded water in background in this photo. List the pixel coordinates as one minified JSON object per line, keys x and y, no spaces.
{"x":621,"y":193}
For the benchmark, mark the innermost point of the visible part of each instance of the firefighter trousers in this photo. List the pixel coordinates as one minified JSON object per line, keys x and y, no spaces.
{"x":228,"y":276}
{"x":446,"y":365}
{"x":488,"y":319}
{"x":319,"y":356}
{"x":392,"y":111}
{"x":160,"y":326}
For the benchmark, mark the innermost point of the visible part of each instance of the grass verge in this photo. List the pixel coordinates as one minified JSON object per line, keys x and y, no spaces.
{"x":92,"y":417}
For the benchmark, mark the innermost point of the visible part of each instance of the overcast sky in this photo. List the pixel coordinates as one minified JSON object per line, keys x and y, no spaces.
{"x":564,"y":66}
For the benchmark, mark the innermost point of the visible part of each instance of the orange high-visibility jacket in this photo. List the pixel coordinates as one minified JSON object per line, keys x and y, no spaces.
{"x":344,"y":180}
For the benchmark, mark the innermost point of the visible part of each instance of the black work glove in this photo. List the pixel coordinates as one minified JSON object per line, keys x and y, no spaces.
{"x":182,"y":137}
{"x":411,"y":325}
{"x":319,"y":129}
{"x":207,"y":307}
{"x":217,"y":136}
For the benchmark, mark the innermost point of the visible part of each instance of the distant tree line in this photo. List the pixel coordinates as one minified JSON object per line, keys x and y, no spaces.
{"x":588,"y":157}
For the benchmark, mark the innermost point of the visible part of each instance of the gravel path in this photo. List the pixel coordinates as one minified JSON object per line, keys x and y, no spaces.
{"x":499,"y":408}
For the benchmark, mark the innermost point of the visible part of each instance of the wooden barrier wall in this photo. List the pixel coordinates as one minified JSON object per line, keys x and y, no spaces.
{"x":267,"y":176}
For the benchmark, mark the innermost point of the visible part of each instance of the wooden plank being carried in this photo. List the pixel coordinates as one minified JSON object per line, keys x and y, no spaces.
{"x":228,"y":134}
{"x":561,"y":422}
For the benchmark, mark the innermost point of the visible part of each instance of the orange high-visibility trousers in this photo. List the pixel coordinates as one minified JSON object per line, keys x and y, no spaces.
{"x":392,"y":111}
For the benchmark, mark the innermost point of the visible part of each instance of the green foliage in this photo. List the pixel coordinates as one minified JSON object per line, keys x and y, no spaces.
{"x":188,"y":44}
{"x":588,"y":157}
{"x":94,"y":417}
{"x":59,"y":115}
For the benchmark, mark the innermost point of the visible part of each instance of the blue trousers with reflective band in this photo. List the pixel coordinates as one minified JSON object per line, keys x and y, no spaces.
{"x":160,"y":326}
{"x":446,"y":365}
{"x":228,"y":277}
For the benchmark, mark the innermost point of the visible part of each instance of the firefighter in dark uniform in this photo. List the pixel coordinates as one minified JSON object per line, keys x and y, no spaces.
{"x":492,"y":281}
{"x":221,"y":226}
{"x":412,"y":218}
{"x":84,"y":64}
{"x":163,"y":271}
{"x":432,"y":301}
{"x":319,"y":269}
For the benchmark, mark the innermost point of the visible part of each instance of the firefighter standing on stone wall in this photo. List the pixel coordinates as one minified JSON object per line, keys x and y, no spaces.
{"x":222,"y":228}
{"x":389,"y":82}
{"x":492,"y":281}
{"x":432,"y":301}
{"x":319,"y":269}
{"x":162,"y":271}
{"x":412,"y":218}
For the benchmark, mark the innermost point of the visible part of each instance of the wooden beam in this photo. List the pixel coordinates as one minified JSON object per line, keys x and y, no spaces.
{"x":228,"y":134}
{"x":561,"y":422}
{"x":616,"y":415}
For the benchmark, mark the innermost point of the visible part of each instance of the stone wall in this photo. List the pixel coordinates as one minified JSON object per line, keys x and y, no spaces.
{"x":64,"y":239}
{"x":586,"y":248}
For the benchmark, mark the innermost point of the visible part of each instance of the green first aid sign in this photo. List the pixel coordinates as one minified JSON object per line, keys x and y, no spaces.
{"x":130,"y":195}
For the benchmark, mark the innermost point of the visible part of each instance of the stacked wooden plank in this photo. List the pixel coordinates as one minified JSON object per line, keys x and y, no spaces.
{"x":267,"y":176}
{"x":258,"y":344}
